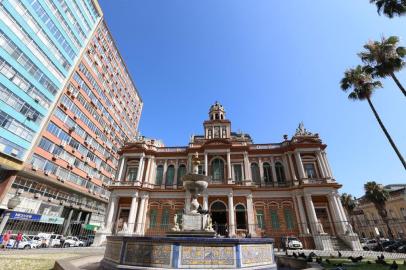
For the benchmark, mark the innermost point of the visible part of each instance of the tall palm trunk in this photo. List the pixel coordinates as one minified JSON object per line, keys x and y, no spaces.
{"x":392,"y":143}
{"x":398,"y":83}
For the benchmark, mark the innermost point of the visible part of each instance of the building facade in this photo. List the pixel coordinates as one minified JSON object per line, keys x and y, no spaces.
{"x":368,"y":223}
{"x":257,"y":190}
{"x":72,"y":155}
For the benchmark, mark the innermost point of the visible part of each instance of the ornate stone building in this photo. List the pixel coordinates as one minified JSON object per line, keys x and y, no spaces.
{"x":257,"y":190}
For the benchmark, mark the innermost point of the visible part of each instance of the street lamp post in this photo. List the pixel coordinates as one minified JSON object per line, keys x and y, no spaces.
{"x":12,"y":203}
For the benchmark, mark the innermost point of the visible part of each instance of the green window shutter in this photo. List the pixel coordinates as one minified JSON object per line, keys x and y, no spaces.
{"x":274,"y":219}
{"x":289,"y":219}
{"x":165,"y":217}
{"x":152,"y":218}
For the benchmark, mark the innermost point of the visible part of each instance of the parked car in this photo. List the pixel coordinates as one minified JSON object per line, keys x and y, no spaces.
{"x":25,"y":243}
{"x":394,"y":247}
{"x":370,"y":244}
{"x":87,"y":240}
{"x":73,"y":241}
{"x":383,"y":245}
{"x":55,"y":240}
{"x":291,"y":242}
{"x":402,"y":249}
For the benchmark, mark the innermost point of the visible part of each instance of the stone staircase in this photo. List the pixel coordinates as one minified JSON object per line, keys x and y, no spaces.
{"x":338,"y":244}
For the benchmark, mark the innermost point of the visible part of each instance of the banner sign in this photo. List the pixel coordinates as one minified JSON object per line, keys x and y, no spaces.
{"x":52,"y":220}
{"x":24,"y":216}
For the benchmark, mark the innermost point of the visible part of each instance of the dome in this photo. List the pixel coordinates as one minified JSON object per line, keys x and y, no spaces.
{"x":217,"y":111}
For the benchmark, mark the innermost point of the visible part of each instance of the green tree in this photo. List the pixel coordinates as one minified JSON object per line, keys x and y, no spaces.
{"x":363,"y":86}
{"x":390,"y":8}
{"x":384,"y":58}
{"x":378,"y":196}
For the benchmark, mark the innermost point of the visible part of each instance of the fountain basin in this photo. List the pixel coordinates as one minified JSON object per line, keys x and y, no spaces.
{"x":137,"y":252}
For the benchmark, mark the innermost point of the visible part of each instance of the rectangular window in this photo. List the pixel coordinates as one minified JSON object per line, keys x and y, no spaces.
{"x":274,"y":219}
{"x":289,"y":219}
{"x":165,"y":218}
{"x":132,"y":174}
{"x":237,"y":173}
{"x":260,"y":219}
{"x":310,"y":170}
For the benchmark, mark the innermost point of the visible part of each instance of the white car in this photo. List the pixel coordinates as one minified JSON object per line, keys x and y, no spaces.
{"x":25,"y":243}
{"x":73,"y":241}
{"x":292,"y":242}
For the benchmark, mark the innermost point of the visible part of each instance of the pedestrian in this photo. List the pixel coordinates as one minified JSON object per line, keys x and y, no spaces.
{"x":6,"y":239}
{"x":19,"y":238}
{"x":62,"y":241}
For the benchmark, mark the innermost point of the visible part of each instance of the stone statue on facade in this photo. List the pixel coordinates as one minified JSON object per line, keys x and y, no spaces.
{"x":319,"y":227}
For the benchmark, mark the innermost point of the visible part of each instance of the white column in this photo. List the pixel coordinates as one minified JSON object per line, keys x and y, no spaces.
{"x":261,"y":171}
{"x":247,"y":168}
{"x":187,"y":201}
{"x":206,"y":164}
{"x":152,"y":172}
{"x":231,"y":215}
{"x":147,"y":173}
{"x":250,"y":216}
{"x":286,"y":165}
{"x":274,"y":178}
{"x":229,"y":165}
{"x":299,"y":165}
{"x":121,"y":169}
{"x":189,"y":163}
{"x":175,"y":178}
{"x":140,"y":214}
{"x":312,"y":213}
{"x":343,"y":215}
{"x":322,"y":167}
{"x":302,"y":215}
{"x":144,"y":217}
{"x":140,"y":170}
{"x":133,"y":214}
{"x":205,"y":201}
{"x":337,"y":217}
{"x":113,"y":205}
{"x":292,"y":168}
{"x":164,"y":174}
{"x":327,"y":164}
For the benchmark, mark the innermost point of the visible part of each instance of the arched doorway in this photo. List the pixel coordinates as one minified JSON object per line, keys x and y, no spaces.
{"x":218,"y":211}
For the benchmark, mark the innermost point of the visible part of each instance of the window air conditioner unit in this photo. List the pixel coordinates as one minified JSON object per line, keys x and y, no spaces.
{"x":34,"y":167}
{"x":74,"y":95}
{"x":14,"y":152}
{"x":46,"y":172}
{"x":63,"y":144}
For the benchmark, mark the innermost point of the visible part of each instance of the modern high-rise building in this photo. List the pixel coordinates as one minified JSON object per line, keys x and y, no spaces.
{"x":67,"y":105}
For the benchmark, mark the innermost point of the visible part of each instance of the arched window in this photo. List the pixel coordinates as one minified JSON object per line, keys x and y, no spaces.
{"x":181,"y":173}
{"x":165,"y":218}
{"x":217,"y":169}
{"x":256,"y":176}
{"x":159,"y":174}
{"x":240,"y":217}
{"x":310,"y":170}
{"x":132,"y":173}
{"x":170,"y":175}
{"x":152,"y":218}
{"x":280,"y":172}
{"x":267,"y":173}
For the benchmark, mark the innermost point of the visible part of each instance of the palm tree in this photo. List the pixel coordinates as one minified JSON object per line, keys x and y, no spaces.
{"x":348,"y":203}
{"x":377,"y":195}
{"x":390,"y":7}
{"x":363,"y":87}
{"x":384,"y":58}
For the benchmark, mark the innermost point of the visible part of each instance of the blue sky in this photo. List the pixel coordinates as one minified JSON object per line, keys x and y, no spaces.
{"x":271,"y":64}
